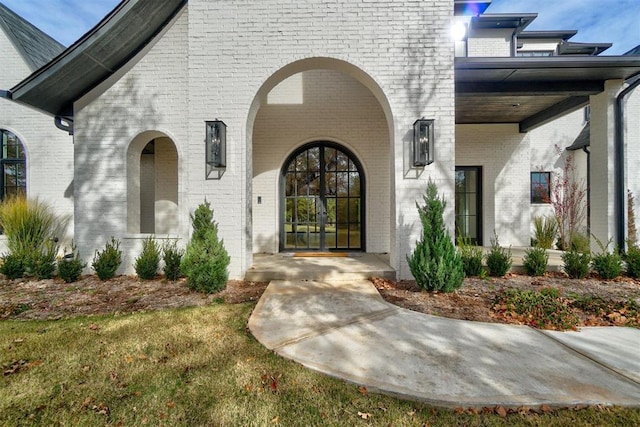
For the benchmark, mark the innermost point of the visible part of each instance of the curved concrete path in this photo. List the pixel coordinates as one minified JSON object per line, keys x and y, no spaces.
{"x":346,"y":330}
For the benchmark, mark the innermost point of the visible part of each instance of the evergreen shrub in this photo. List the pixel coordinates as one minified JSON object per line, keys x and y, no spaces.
{"x":435,"y":263}
{"x":206,"y":260}
{"x":535,"y":261}
{"x":471,"y":257}
{"x":607,"y":264}
{"x":576,"y":264}
{"x":70,"y":266}
{"x":498,"y":259}
{"x":106,"y":262}
{"x":146,"y":265}
{"x":172,"y":257}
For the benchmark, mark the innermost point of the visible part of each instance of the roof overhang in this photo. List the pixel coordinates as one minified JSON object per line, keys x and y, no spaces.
{"x":532,"y":91}
{"x":114,"y":41}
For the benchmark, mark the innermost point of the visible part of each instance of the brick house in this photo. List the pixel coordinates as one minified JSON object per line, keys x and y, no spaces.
{"x":334,"y":116}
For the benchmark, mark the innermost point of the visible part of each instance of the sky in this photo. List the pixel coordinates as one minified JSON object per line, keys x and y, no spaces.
{"x":597,"y":21}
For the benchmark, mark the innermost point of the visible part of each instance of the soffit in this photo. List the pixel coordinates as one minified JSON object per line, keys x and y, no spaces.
{"x":532,"y":91}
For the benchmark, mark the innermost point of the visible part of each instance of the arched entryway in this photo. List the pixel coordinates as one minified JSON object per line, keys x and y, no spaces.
{"x":322,"y":200}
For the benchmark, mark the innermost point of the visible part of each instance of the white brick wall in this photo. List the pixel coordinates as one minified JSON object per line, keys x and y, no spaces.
{"x":504,"y":155}
{"x":49,"y":150}
{"x":220,"y":60}
{"x":489,"y":43}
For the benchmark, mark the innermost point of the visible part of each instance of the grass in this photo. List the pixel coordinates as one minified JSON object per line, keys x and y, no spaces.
{"x":200,"y":366}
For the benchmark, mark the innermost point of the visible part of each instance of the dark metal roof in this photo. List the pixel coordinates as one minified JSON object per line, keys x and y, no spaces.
{"x":494,"y":21}
{"x":532,"y":91}
{"x":583,"y":140}
{"x":633,"y":52}
{"x":558,"y":34}
{"x":573,"y":48}
{"x":36,"y":47}
{"x":96,"y":56}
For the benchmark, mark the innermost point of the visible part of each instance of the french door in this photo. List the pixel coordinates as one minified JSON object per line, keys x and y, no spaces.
{"x":322,"y":200}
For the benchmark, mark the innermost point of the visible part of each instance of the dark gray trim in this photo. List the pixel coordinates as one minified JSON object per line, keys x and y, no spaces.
{"x":479,"y":202}
{"x":517,"y":21}
{"x":551,"y":113}
{"x":620,"y":193}
{"x":101,"y":52}
{"x":538,"y":88}
{"x":5,"y":94}
{"x":558,"y":34}
{"x":573,"y":48}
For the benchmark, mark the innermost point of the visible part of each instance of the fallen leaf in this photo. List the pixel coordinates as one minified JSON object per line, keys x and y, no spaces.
{"x":501,"y":411}
{"x":18,"y":340}
{"x":94,"y":327}
{"x":364,"y":415}
{"x":171,"y":404}
{"x":274,"y":421}
{"x":362,"y":389}
{"x":545,"y":408}
{"x":411,"y":413}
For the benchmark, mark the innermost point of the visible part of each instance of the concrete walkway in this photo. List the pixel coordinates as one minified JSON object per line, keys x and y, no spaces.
{"x":346,"y":330}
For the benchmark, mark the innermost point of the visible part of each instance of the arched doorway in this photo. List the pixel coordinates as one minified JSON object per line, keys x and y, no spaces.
{"x":322,"y":200}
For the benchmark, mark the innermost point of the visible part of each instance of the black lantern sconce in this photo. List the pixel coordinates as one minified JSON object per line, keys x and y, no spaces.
{"x":216,"y":146}
{"x":423,"y":141}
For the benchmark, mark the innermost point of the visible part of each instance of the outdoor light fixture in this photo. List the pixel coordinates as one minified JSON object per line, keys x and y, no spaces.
{"x":423,"y":140}
{"x":216,"y":143}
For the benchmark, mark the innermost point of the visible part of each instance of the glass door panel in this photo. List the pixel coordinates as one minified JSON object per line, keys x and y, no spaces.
{"x":468,"y":200}
{"x":322,"y":206}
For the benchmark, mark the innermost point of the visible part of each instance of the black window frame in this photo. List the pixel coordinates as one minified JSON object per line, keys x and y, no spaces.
{"x":4,"y":161}
{"x":540,"y":185}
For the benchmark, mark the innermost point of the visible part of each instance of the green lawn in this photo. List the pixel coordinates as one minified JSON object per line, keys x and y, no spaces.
{"x":199,"y":366}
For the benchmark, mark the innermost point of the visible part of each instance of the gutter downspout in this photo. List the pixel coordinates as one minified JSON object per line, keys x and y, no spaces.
{"x":619,"y":164}
{"x":586,"y":150}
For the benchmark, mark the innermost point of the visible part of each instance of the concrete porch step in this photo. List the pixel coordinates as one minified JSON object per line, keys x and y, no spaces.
{"x":355,"y":266}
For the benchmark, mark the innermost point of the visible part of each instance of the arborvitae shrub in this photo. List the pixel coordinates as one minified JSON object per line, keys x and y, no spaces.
{"x":206,"y":260}
{"x":576,"y":264}
{"x":106,"y":262}
{"x":535,"y":261}
{"x":70,"y":266}
{"x":146,"y":265}
{"x":435,"y":263}
{"x":471,"y":258}
{"x":172,"y":257}
{"x":498,"y":259}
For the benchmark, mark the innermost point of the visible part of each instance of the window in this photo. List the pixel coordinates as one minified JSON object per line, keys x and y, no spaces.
{"x":540,"y":187}
{"x":13,"y":176}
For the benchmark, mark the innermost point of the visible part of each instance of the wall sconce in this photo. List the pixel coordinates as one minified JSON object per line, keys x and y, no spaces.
{"x":216,"y":147}
{"x":423,"y":139}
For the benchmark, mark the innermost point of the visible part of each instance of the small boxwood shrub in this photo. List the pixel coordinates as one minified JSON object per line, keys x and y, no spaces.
{"x":632,"y":259}
{"x":41,"y":263}
{"x":106,"y":262}
{"x":172,"y":257}
{"x":498,"y":259}
{"x":471,"y":258}
{"x":12,"y":266}
{"x":70,"y":266}
{"x":535,"y":261}
{"x":607,"y":264}
{"x":576,"y":264}
{"x":146,"y":265}
{"x":206,"y":260}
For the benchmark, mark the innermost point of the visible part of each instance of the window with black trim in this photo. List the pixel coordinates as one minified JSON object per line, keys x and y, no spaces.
{"x":540,"y":187}
{"x":13,"y":176}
